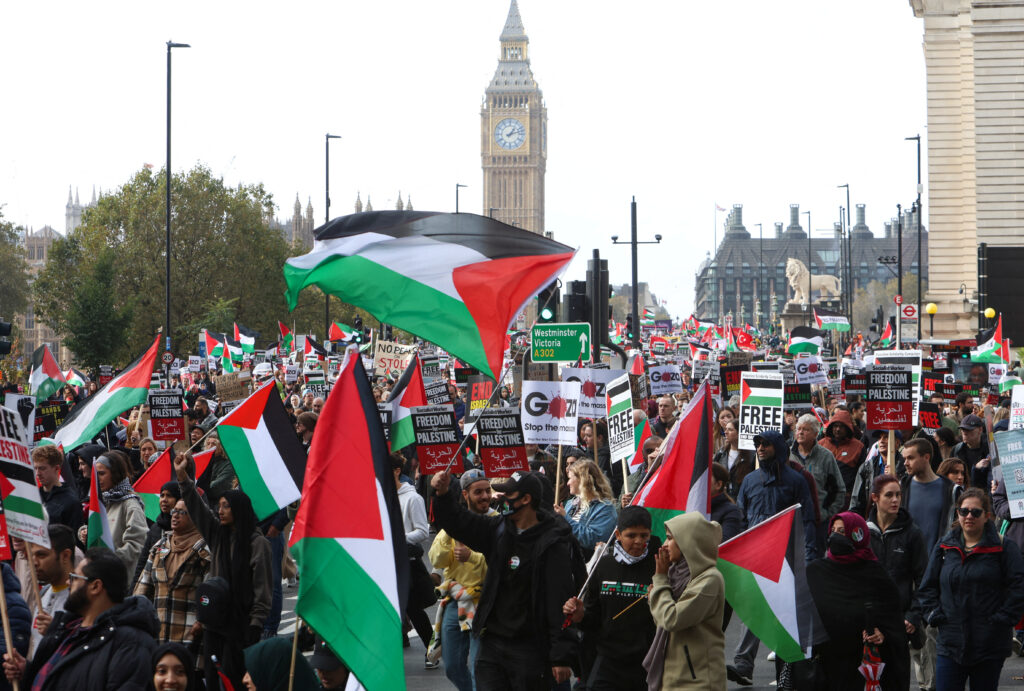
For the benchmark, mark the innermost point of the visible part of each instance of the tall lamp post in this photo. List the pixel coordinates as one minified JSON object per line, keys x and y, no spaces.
{"x":931,"y":308}
{"x":457,"y":186}
{"x":917,"y":216}
{"x":760,"y":273}
{"x":636,"y":295}
{"x":809,"y":273}
{"x":167,"y":208}
{"x":327,"y":219}
{"x":848,"y":236}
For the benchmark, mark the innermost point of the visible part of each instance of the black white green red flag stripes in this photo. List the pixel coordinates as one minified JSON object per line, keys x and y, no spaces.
{"x":127,"y":389}
{"x":407,"y":394}
{"x":683,"y":480}
{"x":766,"y":585}
{"x":804,"y":339}
{"x":46,"y":378}
{"x":264,"y":451}
{"x":21,"y":501}
{"x":348,"y":538}
{"x":457,"y":280}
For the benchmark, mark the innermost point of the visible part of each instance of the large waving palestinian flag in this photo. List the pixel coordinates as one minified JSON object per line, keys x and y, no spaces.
{"x":457,"y":280}
{"x":683,"y":480}
{"x":162,"y":471}
{"x":246,"y":338}
{"x":766,"y":585}
{"x":348,"y":538}
{"x":408,"y":393}
{"x":46,"y":378}
{"x":804,"y":339}
{"x":127,"y":389}
{"x":996,"y":349}
{"x":264,"y":451}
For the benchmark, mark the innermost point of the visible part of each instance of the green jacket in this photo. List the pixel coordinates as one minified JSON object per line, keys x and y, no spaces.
{"x":695,"y":657}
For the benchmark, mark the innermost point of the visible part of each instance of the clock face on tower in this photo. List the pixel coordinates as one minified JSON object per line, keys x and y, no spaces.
{"x":510,"y":134}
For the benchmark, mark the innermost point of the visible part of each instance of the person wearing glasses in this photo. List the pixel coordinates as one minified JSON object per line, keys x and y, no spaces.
{"x":973,"y":593}
{"x":175,"y":566}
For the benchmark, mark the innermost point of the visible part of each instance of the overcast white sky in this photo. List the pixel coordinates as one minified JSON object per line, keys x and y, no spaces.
{"x":682,"y":104}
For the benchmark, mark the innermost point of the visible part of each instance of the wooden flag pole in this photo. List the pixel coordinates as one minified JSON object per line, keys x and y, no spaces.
{"x":33,"y":577}
{"x":558,"y":475}
{"x":7,"y":628}
{"x":295,"y":651}
{"x":890,"y":455}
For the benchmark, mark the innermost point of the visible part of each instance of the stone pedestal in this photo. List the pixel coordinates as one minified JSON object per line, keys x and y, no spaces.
{"x":795,"y":314}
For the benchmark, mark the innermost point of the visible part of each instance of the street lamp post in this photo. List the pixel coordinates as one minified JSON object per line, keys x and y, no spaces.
{"x":917,"y":216}
{"x":760,"y":273}
{"x":931,"y":308}
{"x":327,"y":219}
{"x":457,"y":186}
{"x":809,"y":273}
{"x":167,"y":274}
{"x":848,"y":236}
{"x":636,"y":295}
{"x":899,"y":271}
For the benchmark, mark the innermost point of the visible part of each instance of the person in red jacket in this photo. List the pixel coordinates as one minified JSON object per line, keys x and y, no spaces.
{"x":841,"y":439}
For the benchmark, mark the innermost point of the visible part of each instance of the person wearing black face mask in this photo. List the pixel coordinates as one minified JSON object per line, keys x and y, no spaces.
{"x":859,"y":605}
{"x":533,"y":566}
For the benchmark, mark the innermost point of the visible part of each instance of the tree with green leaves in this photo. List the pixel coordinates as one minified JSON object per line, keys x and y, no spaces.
{"x":96,"y":323}
{"x":14,"y":283}
{"x":875,"y":294}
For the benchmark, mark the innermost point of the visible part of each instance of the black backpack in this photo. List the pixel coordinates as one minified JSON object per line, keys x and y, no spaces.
{"x":213,"y":604}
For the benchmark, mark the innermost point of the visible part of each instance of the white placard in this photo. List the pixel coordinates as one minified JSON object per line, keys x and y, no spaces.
{"x":665,"y":379}
{"x":593,"y":385}
{"x":550,"y":412}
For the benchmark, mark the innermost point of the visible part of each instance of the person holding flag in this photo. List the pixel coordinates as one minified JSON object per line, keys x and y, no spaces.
{"x":123,"y":508}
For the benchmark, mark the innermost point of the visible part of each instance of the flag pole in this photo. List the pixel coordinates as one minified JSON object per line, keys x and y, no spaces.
{"x":558,"y":474}
{"x":7,"y":629}
{"x":295,"y":649}
{"x":32,"y":575}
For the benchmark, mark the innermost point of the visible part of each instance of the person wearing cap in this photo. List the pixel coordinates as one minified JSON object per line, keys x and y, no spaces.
{"x":464,"y":572}
{"x":175,"y":566}
{"x":332,"y":672}
{"x":774,"y":486}
{"x":973,"y":451}
{"x":533,"y":566}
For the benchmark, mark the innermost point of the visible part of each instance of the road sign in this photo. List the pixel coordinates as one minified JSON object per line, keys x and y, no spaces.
{"x":560,"y":342}
{"x":898,"y":299}
{"x":909,"y":311}
{"x":167,"y":357}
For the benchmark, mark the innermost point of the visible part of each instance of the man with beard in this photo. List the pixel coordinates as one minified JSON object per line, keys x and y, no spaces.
{"x":101,"y":641}
{"x":53,"y":566}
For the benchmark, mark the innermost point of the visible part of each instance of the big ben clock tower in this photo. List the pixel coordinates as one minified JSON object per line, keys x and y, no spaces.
{"x":513,"y":134}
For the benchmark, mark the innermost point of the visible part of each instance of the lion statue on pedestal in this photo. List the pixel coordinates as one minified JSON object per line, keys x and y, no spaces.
{"x":796,"y":274}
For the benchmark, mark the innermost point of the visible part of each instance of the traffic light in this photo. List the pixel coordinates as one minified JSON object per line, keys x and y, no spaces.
{"x":386,"y":332}
{"x":630,"y":331}
{"x":5,"y":331}
{"x":877,"y":321}
{"x":547,"y":304}
{"x":577,"y":307}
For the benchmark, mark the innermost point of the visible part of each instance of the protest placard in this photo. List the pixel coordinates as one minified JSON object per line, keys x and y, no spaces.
{"x":167,"y":421}
{"x":390,"y":359}
{"x":620,"y":419}
{"x":49,"y":416}
{"x":230,"y":388}
{"x":480,"y":388}
{"x":798,"y":397}
{"x":195,"y":363}
{"x":665,"y":379}
{"x":437,"y":436}
{"x":1011,"y":464}
{"x":437,"y":393}
{"x":810,"y":369}
{"x":761,"y":400}
{"x":732,"y":377}
{"x":905,"y":357}
{"x":550,"y":412}
{"x":1017,"y":407}
{"x":385,"y":410}
{"x":502,"y":449}
{"x":890,"y":397}
{"x":23,"y":507}
{"x":929,"y":415}
{"x":25,"y":406}
{"x":593,"y":387}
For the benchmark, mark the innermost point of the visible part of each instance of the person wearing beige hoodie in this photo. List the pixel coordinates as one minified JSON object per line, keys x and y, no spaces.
{"x":687,"y":602}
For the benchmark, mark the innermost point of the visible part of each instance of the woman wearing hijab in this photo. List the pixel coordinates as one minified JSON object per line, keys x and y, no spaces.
{"x":240,"y":555}
{"x":687,"y":600}
{"x":859,"y":604}
{"x":173,"y":669}
{"x":268,"y":666}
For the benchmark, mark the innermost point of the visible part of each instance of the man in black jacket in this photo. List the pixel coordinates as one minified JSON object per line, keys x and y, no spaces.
{"x":532,"y":559}
{"x":61,"y":501}
{"x":101,"y":641}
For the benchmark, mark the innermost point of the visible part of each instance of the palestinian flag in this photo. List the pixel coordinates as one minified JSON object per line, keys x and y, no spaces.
{"x":341,"y":332}
{"x":682,"y":481}
{"x":313,"y":349}
{"x":75,"y":378}
{"x":214,"y":343}
{"x":830,"y":321}
{"x":888,"y":338}
{"x":349,"y":530}
{"x":264,"y":451}
{"x":647,"y":318}
{"x":46,"y":378}
{"x":99,"y":527}
{"x":730,"y":343}
{"x":996,"y":349}
{"x":246,"y":338}
{"x":766,"y":585}
{"x":287,"y":340}
{"x":641,"y":433}
{"x":162,"y":471}
{"x":457,"y":280}
{"x":1007,"y":383}
{"x":804,"y":339}
{"x":127,"y":389}
{"x":408,"y":392}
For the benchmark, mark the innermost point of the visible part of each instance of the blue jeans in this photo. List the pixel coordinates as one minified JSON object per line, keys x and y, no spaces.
{"x":458,"y":650}
{"x":276,"y":599}
{"x":952,"y":676}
